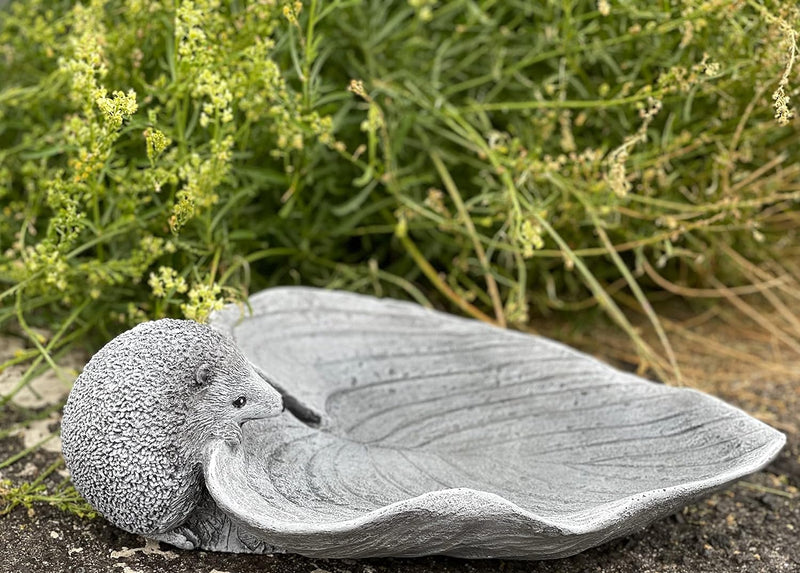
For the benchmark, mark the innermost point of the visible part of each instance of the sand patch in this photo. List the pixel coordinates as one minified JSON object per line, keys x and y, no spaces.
{"x":45,"y":390}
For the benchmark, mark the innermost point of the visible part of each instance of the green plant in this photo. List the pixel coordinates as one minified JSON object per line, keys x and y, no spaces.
{"x":505,"y":159}
{"x":27,"y":494}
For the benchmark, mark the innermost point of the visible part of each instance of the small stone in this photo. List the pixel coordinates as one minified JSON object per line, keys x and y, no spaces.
{"x":771,"y":501}
{"x":719,"y":541}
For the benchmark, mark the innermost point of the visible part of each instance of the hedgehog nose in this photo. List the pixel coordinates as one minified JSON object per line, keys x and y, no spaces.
{"x":274,"y":404}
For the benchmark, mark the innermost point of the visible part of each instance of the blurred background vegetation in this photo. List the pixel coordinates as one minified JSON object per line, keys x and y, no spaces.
{"x":583,"y":162}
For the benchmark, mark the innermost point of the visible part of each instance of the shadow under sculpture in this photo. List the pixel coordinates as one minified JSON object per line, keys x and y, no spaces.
{"x":339,"y":425}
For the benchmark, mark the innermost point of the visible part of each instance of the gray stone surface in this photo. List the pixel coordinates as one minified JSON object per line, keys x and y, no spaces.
{"x":412,"y":432}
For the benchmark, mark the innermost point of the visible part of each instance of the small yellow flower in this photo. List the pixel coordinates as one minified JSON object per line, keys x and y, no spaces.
{"x":357,"y":87}
{"x":117,"y":108}
{"x":291,"y":11}
{"x":156,"y":143}
{"x":166,"y":281}
{"x":530,"y":236}
{"x":203,"y":300}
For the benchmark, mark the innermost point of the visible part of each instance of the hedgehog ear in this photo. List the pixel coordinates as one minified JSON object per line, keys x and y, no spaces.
{"x":203,"y":375}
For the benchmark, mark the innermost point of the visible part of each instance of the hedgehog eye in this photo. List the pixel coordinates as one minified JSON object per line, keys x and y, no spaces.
{"x":239,"y":402}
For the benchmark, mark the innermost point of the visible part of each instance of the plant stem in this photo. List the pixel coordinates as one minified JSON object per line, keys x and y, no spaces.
{"x":491,"y":284}
{"x":440,"y":285}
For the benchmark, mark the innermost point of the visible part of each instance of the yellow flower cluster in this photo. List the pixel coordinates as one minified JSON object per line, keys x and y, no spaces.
{"x":291,"y":11}
{"x":203,"y":300}
{"x":166,"y":281}
{"x":117,"y":108}
{"x":531,"y":238}
{"x":86,"y":63}
{"x":156,"y":142}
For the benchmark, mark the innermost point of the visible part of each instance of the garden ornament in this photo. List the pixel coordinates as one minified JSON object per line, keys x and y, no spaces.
{"x":332,"y":424}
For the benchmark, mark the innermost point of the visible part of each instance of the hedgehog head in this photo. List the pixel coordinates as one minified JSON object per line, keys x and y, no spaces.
{"x":146,"y":405}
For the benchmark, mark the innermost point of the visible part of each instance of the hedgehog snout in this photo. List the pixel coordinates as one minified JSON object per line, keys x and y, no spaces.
{"x":262,"y":400}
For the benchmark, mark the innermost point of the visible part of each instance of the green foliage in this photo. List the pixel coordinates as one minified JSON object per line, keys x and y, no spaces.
{"x":161,"y":158}
{"x":65,"y":498}
{"x":27,"y":494}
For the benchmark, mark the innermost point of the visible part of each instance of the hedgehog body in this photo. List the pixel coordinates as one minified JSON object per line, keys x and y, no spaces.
{"x":139,"y":415}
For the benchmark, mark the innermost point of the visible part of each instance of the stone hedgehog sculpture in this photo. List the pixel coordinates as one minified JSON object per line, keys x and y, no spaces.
{"x":139,"y":415}
{"x":406,"y":432}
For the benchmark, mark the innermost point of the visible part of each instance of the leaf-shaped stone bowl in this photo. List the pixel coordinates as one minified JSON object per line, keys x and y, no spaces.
{"x":441,"y":435}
